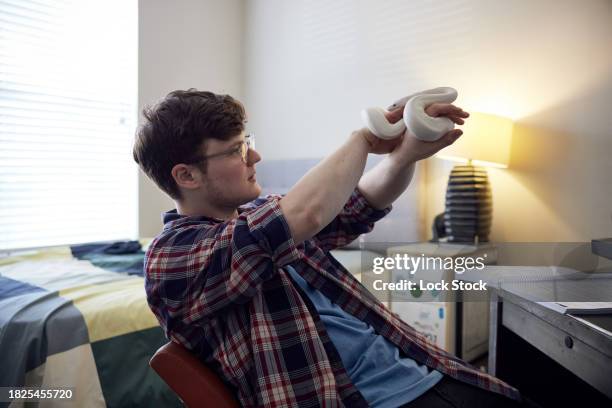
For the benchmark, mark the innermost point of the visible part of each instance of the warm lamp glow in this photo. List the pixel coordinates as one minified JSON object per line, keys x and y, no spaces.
{"x":486,"y":141}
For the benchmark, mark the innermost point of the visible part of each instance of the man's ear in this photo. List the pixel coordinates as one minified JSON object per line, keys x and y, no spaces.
{"x":186,"y":176}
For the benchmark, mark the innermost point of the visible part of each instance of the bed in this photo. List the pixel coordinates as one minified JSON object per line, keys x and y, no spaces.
{"x":66,"y":322}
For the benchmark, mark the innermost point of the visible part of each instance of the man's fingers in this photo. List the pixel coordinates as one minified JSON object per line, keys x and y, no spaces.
{"x":439,"y":109}
{"x":446,"y":109}
{"x":450,"y":137}
{"x":456,"y":111}
{"x":452,"y":112}
{"x":394,"y":115}
{"x":453,"y":135}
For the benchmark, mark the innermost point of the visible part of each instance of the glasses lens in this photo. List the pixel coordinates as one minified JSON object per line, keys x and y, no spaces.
{"x":244,"y":151}
{"x":249,"y":143}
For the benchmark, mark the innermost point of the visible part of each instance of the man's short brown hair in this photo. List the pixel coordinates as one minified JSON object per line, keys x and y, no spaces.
{"x":175,"y":129}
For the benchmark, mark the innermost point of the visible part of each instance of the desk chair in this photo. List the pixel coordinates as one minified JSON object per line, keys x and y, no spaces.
{"x":194,"y":383}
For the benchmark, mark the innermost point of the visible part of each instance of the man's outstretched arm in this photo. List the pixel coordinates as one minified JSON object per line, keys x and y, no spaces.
{"x":318,"y":196}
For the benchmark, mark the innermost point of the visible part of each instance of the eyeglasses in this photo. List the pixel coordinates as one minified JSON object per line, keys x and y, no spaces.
{"x":242,"y":150}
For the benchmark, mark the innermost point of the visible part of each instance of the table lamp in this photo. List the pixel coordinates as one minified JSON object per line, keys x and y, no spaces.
{"x":468,"y":211}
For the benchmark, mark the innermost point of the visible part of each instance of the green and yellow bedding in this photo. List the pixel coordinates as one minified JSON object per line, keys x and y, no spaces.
{"x":65,"y":322}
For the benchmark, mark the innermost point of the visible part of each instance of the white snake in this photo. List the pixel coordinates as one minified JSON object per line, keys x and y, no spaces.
{"x":418,"y":122}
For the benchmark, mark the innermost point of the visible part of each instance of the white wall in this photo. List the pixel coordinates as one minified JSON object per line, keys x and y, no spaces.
{"x":184,"y":44}
{"x":312,"y":65}
{"x":548,"y":65}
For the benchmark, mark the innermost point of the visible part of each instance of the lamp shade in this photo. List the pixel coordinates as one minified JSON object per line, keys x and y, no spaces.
{"x":486,"y":141}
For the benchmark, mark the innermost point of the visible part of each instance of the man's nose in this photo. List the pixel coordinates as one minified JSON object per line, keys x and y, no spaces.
{"x":253,"y":157}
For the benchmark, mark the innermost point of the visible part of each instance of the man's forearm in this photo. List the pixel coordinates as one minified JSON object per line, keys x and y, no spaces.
{"x":320,"y":195}
{"x":382,"y":185}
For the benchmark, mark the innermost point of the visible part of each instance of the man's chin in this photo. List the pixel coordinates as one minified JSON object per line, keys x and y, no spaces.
{"x":257,"y":189}
{"x":254,"y":193}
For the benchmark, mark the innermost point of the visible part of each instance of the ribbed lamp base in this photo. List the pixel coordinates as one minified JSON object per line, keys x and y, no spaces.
{"x":469,"y":205}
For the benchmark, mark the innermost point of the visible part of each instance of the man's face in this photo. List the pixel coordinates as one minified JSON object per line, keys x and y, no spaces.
{"x":229,"y":181}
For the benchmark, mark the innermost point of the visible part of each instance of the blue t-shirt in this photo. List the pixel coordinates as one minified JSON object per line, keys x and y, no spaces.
{"x":373,"y":363}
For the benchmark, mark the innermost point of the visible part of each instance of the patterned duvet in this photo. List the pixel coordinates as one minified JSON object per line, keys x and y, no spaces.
{"x":67,"y":323}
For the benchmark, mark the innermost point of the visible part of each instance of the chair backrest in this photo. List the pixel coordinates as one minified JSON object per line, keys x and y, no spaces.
{"x":194,"y":383}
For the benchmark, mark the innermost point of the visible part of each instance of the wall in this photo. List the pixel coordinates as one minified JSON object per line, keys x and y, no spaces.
{"x":306,"y":68}
{"x":184,"y":44}
{"x":312,"y":65}
{"x":547,"y":65}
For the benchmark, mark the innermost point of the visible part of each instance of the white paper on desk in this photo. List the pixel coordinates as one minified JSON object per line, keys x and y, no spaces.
{"x":579,"y":308}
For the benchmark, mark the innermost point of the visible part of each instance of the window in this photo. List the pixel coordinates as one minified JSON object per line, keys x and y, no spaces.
{"x":68,"y":101}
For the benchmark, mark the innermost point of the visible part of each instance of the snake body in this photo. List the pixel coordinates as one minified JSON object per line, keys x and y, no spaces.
{"x":419,"y":123}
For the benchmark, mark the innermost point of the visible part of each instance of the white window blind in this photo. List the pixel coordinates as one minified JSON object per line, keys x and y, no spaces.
{"x":68,"y":97}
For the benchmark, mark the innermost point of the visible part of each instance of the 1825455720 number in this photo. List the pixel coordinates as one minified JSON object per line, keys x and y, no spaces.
{"x":9,"y":394}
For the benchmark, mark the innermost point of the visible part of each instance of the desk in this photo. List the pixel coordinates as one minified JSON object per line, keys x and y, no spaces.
{"x":556,"y":359}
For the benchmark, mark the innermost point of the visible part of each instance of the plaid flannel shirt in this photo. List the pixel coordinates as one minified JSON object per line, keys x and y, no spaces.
{"x":218,"y":288}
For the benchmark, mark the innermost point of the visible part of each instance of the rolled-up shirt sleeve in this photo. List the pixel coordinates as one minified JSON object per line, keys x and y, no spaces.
{"x":197,"y":271}
{"x":356,"y":217}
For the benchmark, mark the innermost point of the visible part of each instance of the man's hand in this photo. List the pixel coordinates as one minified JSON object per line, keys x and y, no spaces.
{"x":383,"y":184}
{"x":412,"y":149}
{"x":451,"y":111}
{"x":383,"y":146}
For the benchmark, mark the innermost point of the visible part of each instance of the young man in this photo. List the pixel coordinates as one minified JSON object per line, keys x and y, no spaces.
{"x":248,"y":285}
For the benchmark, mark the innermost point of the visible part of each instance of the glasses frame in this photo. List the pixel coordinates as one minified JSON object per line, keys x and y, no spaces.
{"x":247,"y":144}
